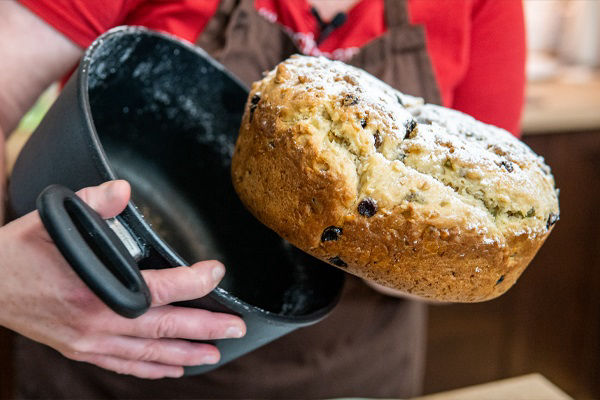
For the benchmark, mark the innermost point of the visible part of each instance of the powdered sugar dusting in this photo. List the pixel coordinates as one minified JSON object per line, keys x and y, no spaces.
{"x":504,"y":186}
{"x":338,"y":80}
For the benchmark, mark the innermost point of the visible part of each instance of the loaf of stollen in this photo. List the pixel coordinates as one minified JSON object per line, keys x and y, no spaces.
{"x":412,"y":196}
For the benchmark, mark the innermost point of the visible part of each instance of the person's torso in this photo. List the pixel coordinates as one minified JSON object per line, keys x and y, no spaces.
{"x":370,"y":346}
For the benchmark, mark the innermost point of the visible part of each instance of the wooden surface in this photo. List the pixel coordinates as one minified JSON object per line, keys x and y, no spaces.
{"x":562,"y":106}
{"x":528,"y":387}
{"x":549,"y":322}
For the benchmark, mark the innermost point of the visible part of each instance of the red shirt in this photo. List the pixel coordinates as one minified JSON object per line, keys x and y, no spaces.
{"x":477,"y":47}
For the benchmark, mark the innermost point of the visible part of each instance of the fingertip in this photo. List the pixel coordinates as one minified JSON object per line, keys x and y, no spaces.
{"x":212,"y":358}
{"x":107,"y":199}
{"x":117,"y":190}
{"x":234,"y":332}
{"x":218,"y":272}
{"x":123,"y":184}
{"x":236,"y":327}
{"x":217,"y":269}
{"x":243,"y":327}
{"x":207,"y":263}
{"x":176,"y":372}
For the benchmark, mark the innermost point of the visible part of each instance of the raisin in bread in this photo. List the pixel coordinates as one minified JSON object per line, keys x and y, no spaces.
{"x":409,"y":195}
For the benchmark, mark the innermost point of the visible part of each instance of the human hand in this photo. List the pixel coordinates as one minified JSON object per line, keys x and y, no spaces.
{"x":42,"y":298}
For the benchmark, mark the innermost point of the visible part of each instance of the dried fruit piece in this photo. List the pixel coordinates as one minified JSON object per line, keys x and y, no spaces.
{"x":253,"y":104}
{"x":508,"y":165}
{"x":349,"y":100}
{"x":448,"y":164}
{"x":378,"y":140}
{"x":414,"y":197}
{"x":338,"y":262}
{"x":410,"y":127}
{"x":331,"y":233}
{"x":552,"y":219}
{"x":367,"y":207}
{"x":400,"y":100}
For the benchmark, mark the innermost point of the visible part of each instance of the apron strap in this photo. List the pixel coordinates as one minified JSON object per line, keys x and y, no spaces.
{"x":396,"y":13}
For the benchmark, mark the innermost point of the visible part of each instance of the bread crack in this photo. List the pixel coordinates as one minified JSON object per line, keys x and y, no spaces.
{"x":464,"y":196}
{"x":343,"y":143}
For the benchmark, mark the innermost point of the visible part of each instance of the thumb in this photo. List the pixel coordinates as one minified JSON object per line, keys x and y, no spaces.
{"x":108,"y":199}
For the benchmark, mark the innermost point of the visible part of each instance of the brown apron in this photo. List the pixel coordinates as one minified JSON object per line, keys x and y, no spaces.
{"x":370,"y":346}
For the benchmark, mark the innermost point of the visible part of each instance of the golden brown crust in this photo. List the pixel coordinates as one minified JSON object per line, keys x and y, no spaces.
{"x":318,"y":185}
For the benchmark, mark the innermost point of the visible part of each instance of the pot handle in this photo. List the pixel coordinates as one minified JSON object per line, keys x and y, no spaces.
{"x":94,"y":251}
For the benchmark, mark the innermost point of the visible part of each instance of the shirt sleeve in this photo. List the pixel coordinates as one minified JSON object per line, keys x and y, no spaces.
{"x":82,"y":21}
{"x":492,"y":89}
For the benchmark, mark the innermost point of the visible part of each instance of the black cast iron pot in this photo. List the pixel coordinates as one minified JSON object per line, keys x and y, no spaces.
{"x":160,"y":113}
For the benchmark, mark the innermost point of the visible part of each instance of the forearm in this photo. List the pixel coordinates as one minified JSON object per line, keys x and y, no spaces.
{"x":32,"y":56}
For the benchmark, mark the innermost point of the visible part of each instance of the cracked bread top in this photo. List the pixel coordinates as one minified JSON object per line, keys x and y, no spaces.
{"x":394,"y":167}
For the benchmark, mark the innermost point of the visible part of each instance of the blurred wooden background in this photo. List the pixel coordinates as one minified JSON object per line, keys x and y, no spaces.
{"x":549,"y":322}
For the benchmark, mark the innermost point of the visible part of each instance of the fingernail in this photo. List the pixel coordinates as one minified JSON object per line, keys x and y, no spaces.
{"x":112,"y":191}
{"x":212,"y":359}
{"x":218,"y":272}
{"x":176,"y":373}
{"x":111,"y":188}
{"x":233,"y":332}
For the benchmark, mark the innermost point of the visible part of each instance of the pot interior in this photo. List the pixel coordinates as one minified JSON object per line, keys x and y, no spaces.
{"x":168,"y":119}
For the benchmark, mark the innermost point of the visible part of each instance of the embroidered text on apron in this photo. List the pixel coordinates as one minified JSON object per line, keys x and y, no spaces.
{"x":370,"y":346}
